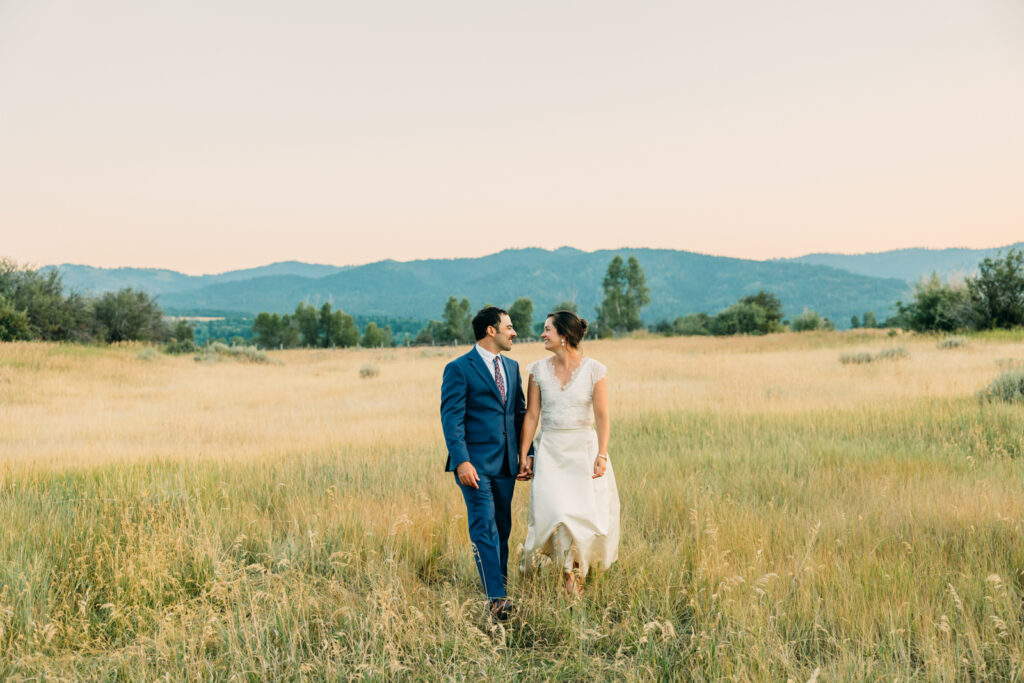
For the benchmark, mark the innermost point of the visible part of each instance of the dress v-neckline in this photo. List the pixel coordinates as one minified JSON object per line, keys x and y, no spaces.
{"x":572,"y":376}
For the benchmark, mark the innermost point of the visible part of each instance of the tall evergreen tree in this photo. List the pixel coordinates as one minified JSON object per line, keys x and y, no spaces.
{"x":521,"y":313}
{"x":268,"y":330}
{"x":458,"y":322}
{"x":308,"y":322}
{"x":625,"y":293}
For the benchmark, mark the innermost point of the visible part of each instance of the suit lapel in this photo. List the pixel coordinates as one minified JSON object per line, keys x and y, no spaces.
{"x":478,"y":363}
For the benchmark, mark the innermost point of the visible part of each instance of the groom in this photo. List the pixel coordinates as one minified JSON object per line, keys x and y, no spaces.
{"x":482,"y":409}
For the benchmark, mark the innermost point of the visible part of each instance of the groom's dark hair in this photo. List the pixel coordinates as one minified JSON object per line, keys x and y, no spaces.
{"x":487,"y":317}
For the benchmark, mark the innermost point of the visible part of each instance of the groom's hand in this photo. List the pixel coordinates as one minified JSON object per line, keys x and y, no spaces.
{"x":467,"y":475}
{"x":525,"y":468}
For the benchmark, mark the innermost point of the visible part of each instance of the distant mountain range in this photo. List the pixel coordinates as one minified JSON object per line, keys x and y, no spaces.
{"x":908,"y":264}
{"x":836,"y":285}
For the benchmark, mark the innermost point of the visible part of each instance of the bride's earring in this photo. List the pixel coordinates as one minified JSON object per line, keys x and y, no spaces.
{"x":563,"y":342}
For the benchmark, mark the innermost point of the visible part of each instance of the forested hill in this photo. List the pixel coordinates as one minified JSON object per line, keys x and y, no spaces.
{"x":681,"y":282}
{"x":908,"y":264}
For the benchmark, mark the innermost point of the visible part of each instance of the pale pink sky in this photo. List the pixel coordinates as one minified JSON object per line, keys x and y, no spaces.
{"x":207,"y":136}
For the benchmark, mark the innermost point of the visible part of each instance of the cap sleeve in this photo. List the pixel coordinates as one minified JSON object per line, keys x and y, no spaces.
{"x":532,"y":368}
{"x":597,"y":371}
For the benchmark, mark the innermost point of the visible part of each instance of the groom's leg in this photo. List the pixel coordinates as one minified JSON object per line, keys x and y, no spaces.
{"x":483,"y":534}
{"x":502,"y":489}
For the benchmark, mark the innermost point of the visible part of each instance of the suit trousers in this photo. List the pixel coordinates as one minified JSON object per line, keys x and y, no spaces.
{"x":489,"y":513}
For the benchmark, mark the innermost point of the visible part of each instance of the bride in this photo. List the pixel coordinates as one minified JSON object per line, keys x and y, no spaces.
{"x":574,"y":504}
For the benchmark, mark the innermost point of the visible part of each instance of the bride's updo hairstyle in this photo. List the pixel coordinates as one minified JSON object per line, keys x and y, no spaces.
{"x":570,"y":326}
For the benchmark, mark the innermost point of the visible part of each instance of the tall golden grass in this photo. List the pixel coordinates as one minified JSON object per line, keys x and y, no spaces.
{"x":785,"y":516}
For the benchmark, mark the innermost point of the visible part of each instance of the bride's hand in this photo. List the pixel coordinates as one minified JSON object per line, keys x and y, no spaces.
{"x":525,"y":468}
{"x":600,"y":465}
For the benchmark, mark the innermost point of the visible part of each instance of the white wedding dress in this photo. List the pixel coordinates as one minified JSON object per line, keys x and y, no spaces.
{"x":573,"y":518}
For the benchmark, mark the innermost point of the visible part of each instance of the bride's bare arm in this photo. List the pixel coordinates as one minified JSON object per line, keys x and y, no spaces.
{"x":529,"y":428}
{"x":602,"y":424}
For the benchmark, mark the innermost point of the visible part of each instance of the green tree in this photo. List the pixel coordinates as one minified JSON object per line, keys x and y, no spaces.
{"x":330,"y":327}
{"x":521,"y":313}
{"x":268,"y":330}
{"x":431,"y":333}
{"x":938,"y":306}
{"x":458,"y":322}
{"x":290,"y":336}
{"x":567,"y":306}
{"x":772,"y":309}
{"x":308,"y":322}
{"x":997,"y":292}
{"x":740,"y":318}
{"x":129,"y":315}
{"x":338,"y":329}
{"x":374,"y":337}
{"x":13,"y":323}
{"x":692,"y":324}
{"x":854,"y":322}
{"x":807,"y":321}
{"x":625,"y":294}
{"x":273,"y":331}
{"x":869,"y":319}
{"x":49,"y":314}
{"x":183,"y":338}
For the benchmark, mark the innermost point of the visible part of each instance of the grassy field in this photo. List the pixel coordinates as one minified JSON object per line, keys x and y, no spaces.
{"x":785,"y":516}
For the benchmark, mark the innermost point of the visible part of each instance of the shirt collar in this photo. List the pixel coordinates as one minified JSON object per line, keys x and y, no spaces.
{"x":487,"y":355}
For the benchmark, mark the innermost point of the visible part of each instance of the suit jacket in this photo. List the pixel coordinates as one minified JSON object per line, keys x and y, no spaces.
{"x":477,"y":426}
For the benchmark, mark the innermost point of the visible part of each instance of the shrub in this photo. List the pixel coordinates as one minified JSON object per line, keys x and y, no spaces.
{"x":369,"y":371}
{"x":180,"y":346}
{"x":692,"y":324}
{"x":217,"y":351}
{"x":895,"y":353}
{"x":951,"y":343}
{"x":807,"y":321}
{"x":147,"y":354}
{"x":1008,"y":387}
{"x":862,"y":357}
{"x":740,"y":318}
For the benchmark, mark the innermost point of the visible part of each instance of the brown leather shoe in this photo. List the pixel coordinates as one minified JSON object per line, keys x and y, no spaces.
{"x":503,"y":609}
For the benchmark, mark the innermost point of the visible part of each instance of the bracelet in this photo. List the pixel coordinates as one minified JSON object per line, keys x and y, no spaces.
{"x":602,"y":456}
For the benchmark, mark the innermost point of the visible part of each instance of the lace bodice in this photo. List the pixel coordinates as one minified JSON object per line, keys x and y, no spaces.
{"x":570,"y":406}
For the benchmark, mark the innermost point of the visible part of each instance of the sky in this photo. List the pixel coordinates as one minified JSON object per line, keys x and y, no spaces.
{"x":209,"y":136}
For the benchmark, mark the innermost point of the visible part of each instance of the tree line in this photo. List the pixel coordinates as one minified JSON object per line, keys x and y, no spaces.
{"x":319,"y":329}
{"x":994,"y":298}
{"x":34,"y":306}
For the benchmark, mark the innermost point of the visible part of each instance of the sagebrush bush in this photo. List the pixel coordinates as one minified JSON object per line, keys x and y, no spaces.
{"x":1008,"y":387}
{"x":180,"y":346}
{"x":895,"y":353}
{"x":862,"y":357}
{"x":217,"y":351}
{"x":369,"y":370}
{"x":951,"y":343}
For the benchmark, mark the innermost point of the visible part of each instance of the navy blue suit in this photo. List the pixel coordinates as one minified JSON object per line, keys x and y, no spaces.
{"x":482,"y":429}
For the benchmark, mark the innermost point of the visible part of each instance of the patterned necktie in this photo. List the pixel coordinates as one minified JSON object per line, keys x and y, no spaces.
{"x":499,"y":379}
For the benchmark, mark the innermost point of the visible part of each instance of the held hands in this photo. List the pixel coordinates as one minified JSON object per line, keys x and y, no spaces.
{"x":600,"y":465}
{"x":467,"y":475}
{"x":525,"y":468}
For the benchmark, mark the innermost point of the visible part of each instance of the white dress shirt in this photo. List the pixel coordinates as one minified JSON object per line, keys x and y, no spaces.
{"x":489,"y":362}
